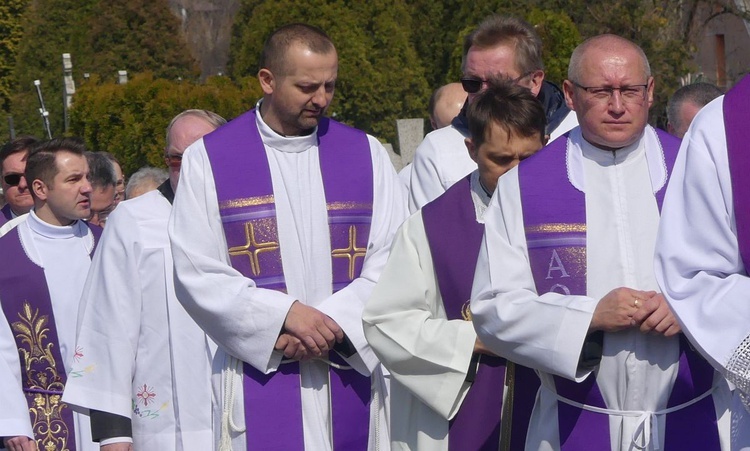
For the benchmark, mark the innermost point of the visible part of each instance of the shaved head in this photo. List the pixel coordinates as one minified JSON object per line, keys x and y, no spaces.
{"x":608,"y":43}
{"x":445,"y":104}
{"x":275,"y":48}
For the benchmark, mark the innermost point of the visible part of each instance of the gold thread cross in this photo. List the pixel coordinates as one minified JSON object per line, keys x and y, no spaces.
{"x":352,"y":252}
{"x":252,"y":248}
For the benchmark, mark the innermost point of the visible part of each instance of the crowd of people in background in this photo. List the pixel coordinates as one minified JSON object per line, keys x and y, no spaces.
{"x":551,"y":272}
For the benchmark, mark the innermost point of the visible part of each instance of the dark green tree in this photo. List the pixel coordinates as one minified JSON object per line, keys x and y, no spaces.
{"x":11,"y":12}
{"x":137,"y":36}
{"x":130,"y":120}
{"x":52,"y":27}
{"x":102,"y":38}
{"x":434,"y":31}
{"x":559,"y":37}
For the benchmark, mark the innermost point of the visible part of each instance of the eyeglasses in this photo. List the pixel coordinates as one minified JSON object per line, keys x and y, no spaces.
{"x":628,"y":94}
{"x":173,"y":160}
{"x":473,"y":85}
{"x":100,"y":217}
{"x":12,"y":179}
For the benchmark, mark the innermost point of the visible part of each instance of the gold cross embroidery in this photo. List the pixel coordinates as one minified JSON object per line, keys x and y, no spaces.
{"x":252,"y":248}
{"x":352,"y":252}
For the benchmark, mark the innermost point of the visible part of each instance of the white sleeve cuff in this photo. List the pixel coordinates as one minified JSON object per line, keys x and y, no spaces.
{"x":113,"y":440}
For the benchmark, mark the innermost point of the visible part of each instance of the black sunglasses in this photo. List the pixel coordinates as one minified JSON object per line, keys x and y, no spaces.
{"x":473,"y":85}
{"x":12,"y":179}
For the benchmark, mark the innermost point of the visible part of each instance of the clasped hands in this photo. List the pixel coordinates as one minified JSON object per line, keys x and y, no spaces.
{"x":307,"y":333}
{"x":625,"y":308}
{"x":19,"y":443}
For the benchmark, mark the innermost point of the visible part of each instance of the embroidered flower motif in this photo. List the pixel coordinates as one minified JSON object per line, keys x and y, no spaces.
{"x":145,"y":394}
{"x":78,"y":354}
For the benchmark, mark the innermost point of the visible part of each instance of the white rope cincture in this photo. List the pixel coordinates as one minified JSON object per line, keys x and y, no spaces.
{"x":647,"y":427}
{"x":338,"y":366}
{"x":229,"y":380}
{"x":375,"y":404}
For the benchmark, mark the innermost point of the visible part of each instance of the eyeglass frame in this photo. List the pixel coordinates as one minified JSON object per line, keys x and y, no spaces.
{"x":170,"y":157}
{"x":483,"y":81}
{"x":102,"y":215}
{"x":610,"y":91}
{"x":9,"y":183}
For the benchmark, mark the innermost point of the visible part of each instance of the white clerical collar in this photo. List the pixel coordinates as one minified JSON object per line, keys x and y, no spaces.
{"x":33,"y":226}
{"x":48,"y":230}
{"x":291,"y":144}
{"x":579,"y":149}
{"x":620,"y":156}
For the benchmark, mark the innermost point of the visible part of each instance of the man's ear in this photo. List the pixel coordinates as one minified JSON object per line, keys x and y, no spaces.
{"x":650,"y":91}
{"x":471,"y":148}
{"x":267,"y":81}
{"x":40,"y":189}
{"x":536,"y":79}
{"x":568,"y":89}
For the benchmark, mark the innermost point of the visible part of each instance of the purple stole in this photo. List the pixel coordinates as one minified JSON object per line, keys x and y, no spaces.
{"x":554,"y":214}
{"x":736,"y":114}
{"x":28,"y":309}
{"x":5,"y":214}
{"x":273,"y":409}
{"x":455,"y":237}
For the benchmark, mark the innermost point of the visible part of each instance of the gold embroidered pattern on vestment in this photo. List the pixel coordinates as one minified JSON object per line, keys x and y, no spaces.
{"x":352,"y":252}
{"x":348,"y":206}
{"x":253,"y":247}
{"x":246,"y":202}
{"x":553,"y":227}
{"x":50,"y":430}
{"x":575,"y":255}
{"x":506,"y":421}
{"x":466,"y":311}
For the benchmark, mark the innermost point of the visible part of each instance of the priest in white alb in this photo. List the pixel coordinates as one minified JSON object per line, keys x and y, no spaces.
{"x":280,"y":228}
{"x":565,"y":281}
{"x":142,"y":359}
{"x":448,"y":391}
{"x":703,"y":250}
{"x":46,"y":259}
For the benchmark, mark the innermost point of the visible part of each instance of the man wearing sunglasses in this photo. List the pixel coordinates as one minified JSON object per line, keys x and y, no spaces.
{"x":16,"y":189}
{"x":565,"y":281}
{"x":500,"y":46}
